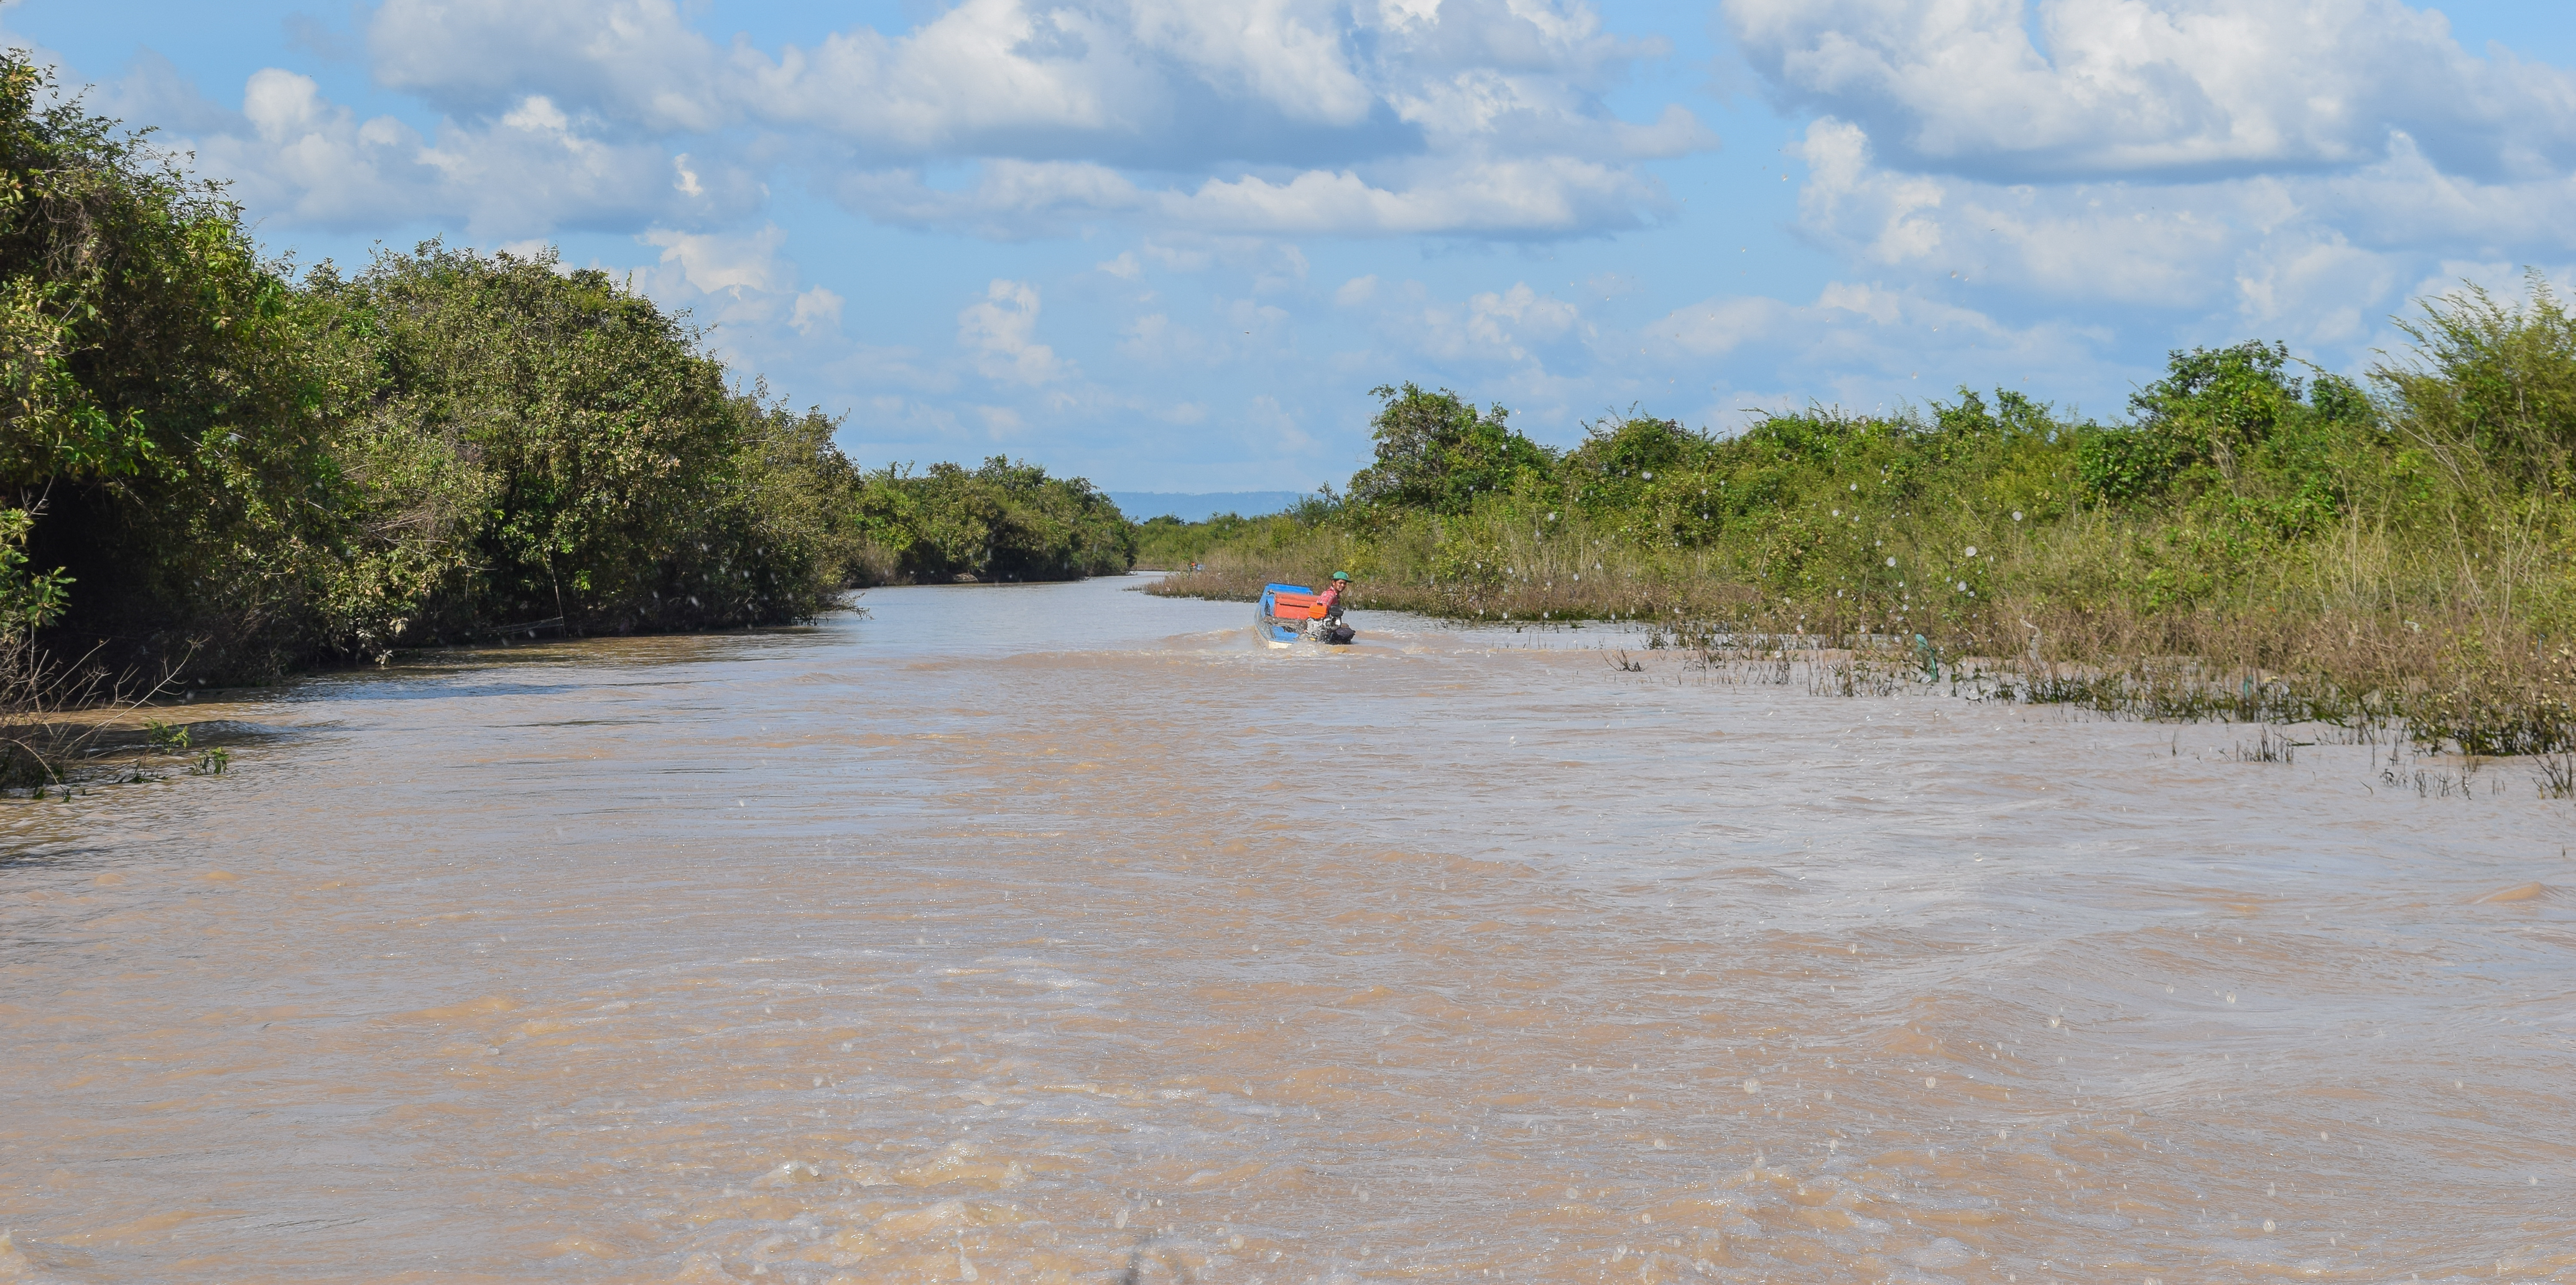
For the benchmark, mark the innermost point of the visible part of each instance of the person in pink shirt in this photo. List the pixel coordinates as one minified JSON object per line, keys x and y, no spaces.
{"x":1330,"y":602}
{"x":1331,"y":598}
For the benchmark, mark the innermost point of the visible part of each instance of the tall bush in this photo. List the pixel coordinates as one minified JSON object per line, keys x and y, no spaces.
{"x":166,"y":414}
{"x":1006,"y":520}
{"x":207,"y":461}
{"x":581,"y":460}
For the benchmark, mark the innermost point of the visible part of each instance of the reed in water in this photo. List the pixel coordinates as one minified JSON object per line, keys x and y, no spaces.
{"x":2255,"y":540}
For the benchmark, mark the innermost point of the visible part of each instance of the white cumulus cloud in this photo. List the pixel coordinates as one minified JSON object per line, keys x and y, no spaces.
{"x":1000,"y":332}
{"x":2169,"y":89}
{"x":2284,"y":167}
{"x":726,"y":263}
{"x":2305,"y":256}
{"x":1470,"y":118}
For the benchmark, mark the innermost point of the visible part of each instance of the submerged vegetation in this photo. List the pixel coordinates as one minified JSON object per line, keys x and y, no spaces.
{"x":215,"y":468}
{"x":2255,"y":541}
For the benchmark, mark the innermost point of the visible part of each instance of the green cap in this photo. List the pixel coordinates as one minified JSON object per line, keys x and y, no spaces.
{"x":1341,"y":575}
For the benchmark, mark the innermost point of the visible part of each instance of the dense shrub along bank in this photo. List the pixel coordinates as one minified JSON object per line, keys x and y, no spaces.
{"x":164,"y":430}
{"x":2326,"y":549}
{"x":211,"y":461}
{"x":532,"y":444}
{"x":1004,"y":521}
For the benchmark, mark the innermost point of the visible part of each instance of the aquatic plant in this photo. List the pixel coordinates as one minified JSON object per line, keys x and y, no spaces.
{"x":61,"y":723}
{"x":2557,"y":775}
{"x":2268,"y":748}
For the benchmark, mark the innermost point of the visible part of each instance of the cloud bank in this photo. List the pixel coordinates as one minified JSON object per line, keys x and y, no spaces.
{"x":2281,"y":165}
{"x":1004,"y":118}
{"x":2158,"y":90}
{"x":1230,"y":218}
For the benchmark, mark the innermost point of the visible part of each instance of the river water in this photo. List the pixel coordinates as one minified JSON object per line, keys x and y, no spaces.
{"x":1060,"y":933}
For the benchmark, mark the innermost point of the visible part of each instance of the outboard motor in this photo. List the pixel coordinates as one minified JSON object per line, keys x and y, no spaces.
{"x":1330,"y":630}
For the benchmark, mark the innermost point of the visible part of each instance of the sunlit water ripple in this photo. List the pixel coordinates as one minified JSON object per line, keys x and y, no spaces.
{"x":1062,"y":933}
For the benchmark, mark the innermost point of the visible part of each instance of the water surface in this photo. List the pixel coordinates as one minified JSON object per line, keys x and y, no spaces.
{"x":1061,"y":933}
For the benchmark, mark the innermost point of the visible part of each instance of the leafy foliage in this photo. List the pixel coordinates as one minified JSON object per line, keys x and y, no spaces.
{"x":163,"y":406}
{"x":204,"y":458}
{"x":1438,"y":453}
{"x":2408,"y":553}
{"x":571,"y":455}
{"x":29,"y":601}
{"x":2494,"y":386}
{"x":1003,"y":521}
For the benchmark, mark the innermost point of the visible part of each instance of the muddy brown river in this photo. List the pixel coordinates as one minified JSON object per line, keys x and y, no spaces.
{"x":1065,"y":934}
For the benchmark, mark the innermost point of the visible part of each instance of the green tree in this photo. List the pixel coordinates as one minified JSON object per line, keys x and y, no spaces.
{"x":578,"y":455}
{"x":165,"y":410}
{"x":1439,"y":453}
{"x":1006,"y":520}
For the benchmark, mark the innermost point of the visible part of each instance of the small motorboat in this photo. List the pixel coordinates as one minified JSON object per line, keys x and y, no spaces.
{"x":1294,"y":613}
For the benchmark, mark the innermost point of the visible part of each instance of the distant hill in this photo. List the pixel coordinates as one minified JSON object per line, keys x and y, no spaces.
{"x":1140,"y":506}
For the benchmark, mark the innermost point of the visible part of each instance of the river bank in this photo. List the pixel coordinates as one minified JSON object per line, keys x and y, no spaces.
{"x":2389,"y":557}
{"x":2454,"y":680}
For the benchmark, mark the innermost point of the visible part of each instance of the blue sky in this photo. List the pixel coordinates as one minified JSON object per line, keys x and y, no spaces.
{"x":1171,"y":244}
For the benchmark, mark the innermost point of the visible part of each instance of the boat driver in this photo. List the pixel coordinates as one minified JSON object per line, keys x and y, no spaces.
{"x":1331,"y":599}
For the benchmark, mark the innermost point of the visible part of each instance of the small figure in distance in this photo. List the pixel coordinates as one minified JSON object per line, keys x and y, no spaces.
{"x":1331,"y":629}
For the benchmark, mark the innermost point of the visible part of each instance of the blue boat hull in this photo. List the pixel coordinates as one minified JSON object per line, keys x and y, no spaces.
{"x":1269,"y":624}
{"x":1279,"y":630}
